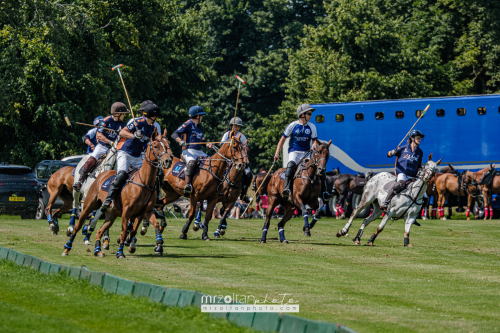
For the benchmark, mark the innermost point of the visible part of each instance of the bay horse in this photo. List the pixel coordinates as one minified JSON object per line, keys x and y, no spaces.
{"x":431,"y":192}
{"x":345,"y":183}
{"x":207,"y":184}
{"x":489,"y":184}
{"x":406,"y":203}
{"x":448,"y":184}
{"x":135,"y":201}
{"x":59,"y":185}
{"x":306,"y":191}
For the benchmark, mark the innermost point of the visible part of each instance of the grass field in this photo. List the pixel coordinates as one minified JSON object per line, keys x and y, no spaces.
{"x":449,"y":282}
{"x":34,"y":302}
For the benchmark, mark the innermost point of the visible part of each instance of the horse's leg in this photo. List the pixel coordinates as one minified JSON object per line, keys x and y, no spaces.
{"x":316,"y":217}
{"x":93,"y":203}
{"x":221,"y":229}
{"x":272,"y":203}
{"x":158,"y":231}
{"x":208,"y":217}
{"x":132,"y":240}
{"x":441,"y":206}
{"x":450,"y":210}
{"x":286,"y":216}
{"x":108,"y":222}
{"x":374,"y":215}
{"x":408,"y":223}
{"x":67,"y":199}
{"x":91,"y":225}
{"x":340,"y":203}
{"x":105,"y":242}
{"x":366,"y":200}
{"x":379,"y":229}
{"x":123,"y":234}
{"x":192,"y":209}
{"x":305,"y":215}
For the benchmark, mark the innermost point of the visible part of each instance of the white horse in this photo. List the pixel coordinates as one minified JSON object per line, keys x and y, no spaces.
{"x":406,"y":203}
{"x":109,"y":163}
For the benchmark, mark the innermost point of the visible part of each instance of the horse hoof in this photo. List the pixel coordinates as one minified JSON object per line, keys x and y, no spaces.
{"x":131,"y":249}
{"x":409,"y":245}
{"x":307,"y":233}
{"x":64,"y":254}
{"x":337,"y":217}
{"x":207,"y":239}
{"x":222,"y":232}
{"x":356,"y":242}
{"x":284,"y":242}
{"x":87,"y":242}
{"x":216,"y":236}
{"x":195,"y":228}
{"x":183,"y":236}
{"x":158,"y":253}
{"x":69,"y":231}
{"x":144,"y":230}
{"x":370,"y":244}
{"x":339,"y":234}
{"x":262,"y":241}
{"x":100,"y":254}
{"x":105,"y":245}
{"x":120,"y":256}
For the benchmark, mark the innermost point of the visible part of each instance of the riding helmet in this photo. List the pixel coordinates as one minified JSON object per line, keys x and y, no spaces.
{"x":151,"y":110}
{"x":416,"y":133}
{"x":236,"y":121}
{"x":97,"y":120}
{"x":118,"y":107}
{"x":195,"y":111}
{"x":144,"y":104}
{"x":303,"y":109}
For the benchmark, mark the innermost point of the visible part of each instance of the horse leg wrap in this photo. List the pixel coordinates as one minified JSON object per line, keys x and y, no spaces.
{"x":305,"y":215}
{"x":73,"y":217}
{"x":145,"y":223}
{"x":491,"y":211}
{"x":358,"y":235}
{"x":49,"y":218}
{"x":198,"y":217}
{"x":407,"y":241}
{"x":341,"y":210}
{"x":281,"y":231}
{"x":337,"y":210}
{"x":468,"y":211}
{"x":97,"y":247}
{"x":159,"y":238}
{"x":119,"y":253}
{"x":217,"y":233}
{"x":185,"y":228}
{"x":486,"y":212}
{"x":84,"y":230}
{"x":89,"y":233}
{"x":106,"y":235}
{"x":313,"y":222}
{"x":69,"y":244}
{"x":372,"y":238}
{"x":264,"y":235}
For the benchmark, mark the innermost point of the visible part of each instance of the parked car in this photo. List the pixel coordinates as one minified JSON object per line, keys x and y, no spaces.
{"x":43,"y":171}
{"x":73,"y":159}
{"x":19,"y":191}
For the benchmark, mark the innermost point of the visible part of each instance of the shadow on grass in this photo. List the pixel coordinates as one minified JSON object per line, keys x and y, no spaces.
{"x":187,"y":256}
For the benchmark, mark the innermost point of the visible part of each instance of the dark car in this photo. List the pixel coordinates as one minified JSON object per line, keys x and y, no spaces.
{"x":19,"y":191}
{"x":43,"y":171}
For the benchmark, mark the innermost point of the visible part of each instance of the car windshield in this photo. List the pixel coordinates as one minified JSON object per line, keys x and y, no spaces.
{"x":53,"y":169}
{"x":14,"y":171}
{"x":40,"y":172}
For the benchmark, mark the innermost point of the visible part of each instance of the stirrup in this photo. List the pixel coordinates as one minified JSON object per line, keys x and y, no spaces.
{"x":188,"y":189}
{"x":286,"y":193}
{"x":77,"y":186}
{"x":106,"y":205}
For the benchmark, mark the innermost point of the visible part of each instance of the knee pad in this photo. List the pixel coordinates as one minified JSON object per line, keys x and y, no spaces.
{"x":290,"y":168}
{"x":399,"y":186}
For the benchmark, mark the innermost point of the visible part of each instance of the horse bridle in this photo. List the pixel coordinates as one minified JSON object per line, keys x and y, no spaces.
{"x":465,"y":186}
{"x":314,"y":163}
{"x":158,"y":163}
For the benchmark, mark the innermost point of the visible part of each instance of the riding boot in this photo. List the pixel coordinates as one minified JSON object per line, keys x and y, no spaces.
{"x":289,"y":173}
{"x":326,"y":195}
{"x":115,"y":187}
{"x":87,"y":167}
{"x":189,"y":172}
{"x":246,"y":180}
{"x":398,"y":187}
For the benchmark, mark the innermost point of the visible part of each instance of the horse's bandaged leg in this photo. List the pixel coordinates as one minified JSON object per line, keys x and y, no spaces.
{"x":264,"y":235}
{"x":468,"y":211}
{"x":305,"y":215}
{"x":486,"y":211}
{"x":73,"y":217}
{"x":159,"y":238}
{"x":281,"y":231}
{"x":95,"y":218}
{"x":491,"y":211}
{"x":337,"y":210}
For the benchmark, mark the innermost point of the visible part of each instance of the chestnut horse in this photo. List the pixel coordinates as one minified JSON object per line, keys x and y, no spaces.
{"x":60,"y":185}
{"x":207,"y":184}
{"x":135,"y":202}
{"x":431,"y":191}
{"x":489,"y":184}
{"x":306,"y":191}
{"x":448,"y":184}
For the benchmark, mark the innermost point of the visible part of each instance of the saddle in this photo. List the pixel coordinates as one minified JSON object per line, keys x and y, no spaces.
{"x":390,"y":184}
{"x":180,"y":166}
{"x":107,"y":183}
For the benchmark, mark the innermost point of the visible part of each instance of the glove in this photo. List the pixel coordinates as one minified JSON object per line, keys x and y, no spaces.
{"x":391,"y":153}
{"x":276,"y":157}
{"x":183,"y":143}
{"x":138,"y":135}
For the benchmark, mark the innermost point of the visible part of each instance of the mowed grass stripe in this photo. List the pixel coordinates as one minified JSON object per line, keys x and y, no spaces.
{"x":449,"y":282}
{"x":34,"y":302}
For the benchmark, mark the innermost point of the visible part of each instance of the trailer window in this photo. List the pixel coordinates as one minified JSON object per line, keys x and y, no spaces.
{"x":379,"y":115}
{"x":461,"y":111}
{"x":481,"y":111}
{"x":359,"y":117}
{"x":400,"y":114}
{"x":320,"y":119}
{"x":440,"y":112}
{"x":419,"y":113}
{"x":339,"y":118}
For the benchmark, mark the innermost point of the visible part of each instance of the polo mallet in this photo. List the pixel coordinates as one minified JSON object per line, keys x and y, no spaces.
{"x":237,"y":98}
{"x":256,"y":192}
{"x":74,"y":122}
{"x":117,"y":67}
{"x":427,"y":108}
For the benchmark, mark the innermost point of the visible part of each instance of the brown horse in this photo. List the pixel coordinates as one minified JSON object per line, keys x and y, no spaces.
{"x":135,"y":202}
{"x":207,"y":184}
{"x":448,"y":184}
{"x":344,"y":184}
{"x":432,"y":192}
{"x":489,"y":184}
{"x":306,"y":191}
{"x":60,"y":185}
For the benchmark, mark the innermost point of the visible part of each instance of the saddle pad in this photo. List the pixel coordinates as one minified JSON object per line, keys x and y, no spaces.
{"x":282,"y":175}
{"x":107,"y":183}
{"x":178,"y":168}
{"x":389,"y":185}
{"x":360,"y":181}
{"x":73,"y":172}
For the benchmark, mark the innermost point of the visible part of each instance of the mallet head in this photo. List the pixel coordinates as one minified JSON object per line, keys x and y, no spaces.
{"x":67,"y":120}
{"x":239,"y":78}
{"x":117,"y":67}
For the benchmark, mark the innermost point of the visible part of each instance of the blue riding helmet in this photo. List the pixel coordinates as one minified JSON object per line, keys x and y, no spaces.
{"x":416,"y":133}
{"x":196,"y":111}
{"x":97,"y":120}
